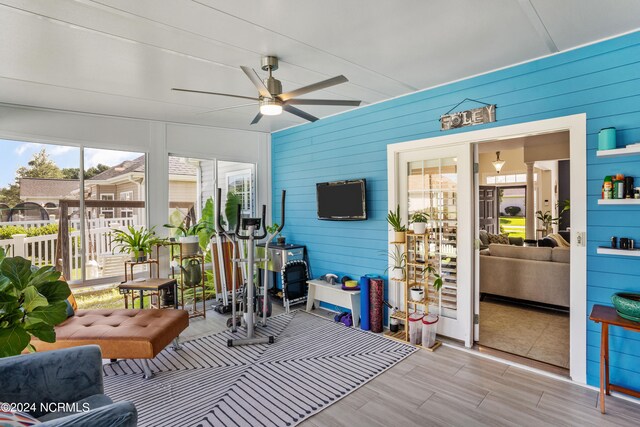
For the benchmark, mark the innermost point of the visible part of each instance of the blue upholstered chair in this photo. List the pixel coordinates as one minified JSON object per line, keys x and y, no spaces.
{"x":64,"y":376}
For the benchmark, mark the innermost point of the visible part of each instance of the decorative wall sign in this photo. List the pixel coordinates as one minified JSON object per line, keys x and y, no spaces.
{"x":475,"y":116}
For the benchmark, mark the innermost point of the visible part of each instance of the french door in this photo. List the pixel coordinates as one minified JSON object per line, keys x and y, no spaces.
{"x":438,"y":181}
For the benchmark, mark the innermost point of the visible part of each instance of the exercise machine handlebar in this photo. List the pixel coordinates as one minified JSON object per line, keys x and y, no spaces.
{"x":262,"y":221}
{"x":284,"y":193}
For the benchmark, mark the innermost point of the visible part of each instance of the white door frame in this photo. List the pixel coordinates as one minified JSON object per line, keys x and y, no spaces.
{"x":577,"y":127}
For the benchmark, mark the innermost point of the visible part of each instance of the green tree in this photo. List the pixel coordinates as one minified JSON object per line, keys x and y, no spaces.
{"x":74,"y":173}
{"x":95,"y":170}
{"x":40,"y":166}
{"x":71,"y":173}
{"x":10,"y":195}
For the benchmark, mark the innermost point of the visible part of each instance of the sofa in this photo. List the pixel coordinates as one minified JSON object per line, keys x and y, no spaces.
{"x":536,"y":274}
{"x":41,"y":381}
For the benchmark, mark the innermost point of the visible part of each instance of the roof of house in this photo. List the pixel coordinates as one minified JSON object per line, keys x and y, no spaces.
{"x":176,"y":167}
{"x":51,"y":188}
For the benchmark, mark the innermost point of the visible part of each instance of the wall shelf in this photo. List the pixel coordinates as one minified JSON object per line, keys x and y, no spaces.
{"x":629,"y":150}
{"x":621,"y":252}
{"x":619,"y":201}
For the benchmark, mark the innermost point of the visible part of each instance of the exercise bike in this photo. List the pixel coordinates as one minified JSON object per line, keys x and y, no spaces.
{"x":250,"y":230}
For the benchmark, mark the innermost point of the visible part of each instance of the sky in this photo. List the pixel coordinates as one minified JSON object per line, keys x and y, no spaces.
{"x":14,"y":154}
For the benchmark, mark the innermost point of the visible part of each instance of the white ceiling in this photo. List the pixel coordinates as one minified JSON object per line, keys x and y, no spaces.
{"x":121,"y":57}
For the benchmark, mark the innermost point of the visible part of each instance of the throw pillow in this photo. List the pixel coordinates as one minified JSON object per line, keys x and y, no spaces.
{"x":70,"y":311}
{"x":484,"y":237}
{"x":498,"y":238}
{"x":17,"y":419}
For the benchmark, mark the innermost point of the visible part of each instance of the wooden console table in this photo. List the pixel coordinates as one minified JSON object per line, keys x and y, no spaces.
{"x":334,"y":294}
{"x":155,"y":286}
{"x":606,"y":316}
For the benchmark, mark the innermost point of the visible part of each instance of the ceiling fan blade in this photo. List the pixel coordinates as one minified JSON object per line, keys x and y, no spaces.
{"x":227,"y":108}
{"x":345,"y":103}
{"x":214,"y":93}
{"x":258,"y":83}
{"x":257,"y":118}
{"x":313,"y":87}
{"x":299,"y":113}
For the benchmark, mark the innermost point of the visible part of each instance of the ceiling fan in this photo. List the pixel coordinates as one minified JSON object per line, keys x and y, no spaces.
{"x":271,"y":99}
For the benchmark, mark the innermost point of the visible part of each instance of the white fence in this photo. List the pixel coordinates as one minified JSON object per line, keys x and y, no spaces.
{"x":75,"y":223}
{"x":41,"y":250}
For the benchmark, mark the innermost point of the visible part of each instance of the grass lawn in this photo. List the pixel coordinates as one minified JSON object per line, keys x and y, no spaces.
{"x":512,"y":225}
{"x":104,"y":298}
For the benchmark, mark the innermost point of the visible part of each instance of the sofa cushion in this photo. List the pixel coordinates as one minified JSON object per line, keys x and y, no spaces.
{"x":484,"y":237}
{"x":520,"y":252}
{"x":517,"y":241}
{"x":561,"y":255}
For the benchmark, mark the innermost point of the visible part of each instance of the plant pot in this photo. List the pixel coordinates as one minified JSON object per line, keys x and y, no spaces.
{"x":281,"y":240}
{"x":416,"y":294}
{"x":419,"y":227}
{"x":189,"y":245}
{"x":399,"y":236}
{"x":397,"y":273}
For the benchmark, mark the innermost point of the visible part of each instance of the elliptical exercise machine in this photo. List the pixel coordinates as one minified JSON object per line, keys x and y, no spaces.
{"x":248,"y":229}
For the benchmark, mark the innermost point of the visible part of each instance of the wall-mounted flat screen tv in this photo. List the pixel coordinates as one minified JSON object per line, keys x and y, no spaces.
{"x":342,"y":200}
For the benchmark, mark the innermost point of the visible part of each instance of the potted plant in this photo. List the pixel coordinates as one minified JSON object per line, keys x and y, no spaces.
{"x":137,"y":242}
{"x":273,"y":228}
{"x":32,"y":302}
{"x":547,"y":220}
{"x":394,"y":220}
{"x":419,"y":220}
{"x":399,"y":262}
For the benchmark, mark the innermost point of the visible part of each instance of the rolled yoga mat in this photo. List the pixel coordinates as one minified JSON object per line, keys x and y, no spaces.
{"x":364,"y":303}
{"x":376,"y":298}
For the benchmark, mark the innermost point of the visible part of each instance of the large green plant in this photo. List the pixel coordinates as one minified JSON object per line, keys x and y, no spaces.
{"x":231,"y":208}
{"x":32,"y":302}
{"x":134,"y":240}
{"x":394,"y":220}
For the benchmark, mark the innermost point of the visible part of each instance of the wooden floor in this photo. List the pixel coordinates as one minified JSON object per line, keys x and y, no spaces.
{"x":451,"y":387}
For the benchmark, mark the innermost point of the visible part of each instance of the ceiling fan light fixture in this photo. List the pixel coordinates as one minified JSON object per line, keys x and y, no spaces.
{"x":497,"y":163}
{"x":270,"y":107}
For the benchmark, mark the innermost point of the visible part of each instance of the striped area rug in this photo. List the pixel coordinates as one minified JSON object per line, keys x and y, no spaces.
{"x":313,"y":363}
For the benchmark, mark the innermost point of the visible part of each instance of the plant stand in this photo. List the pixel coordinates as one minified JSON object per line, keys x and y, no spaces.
{"x":199,"y":289}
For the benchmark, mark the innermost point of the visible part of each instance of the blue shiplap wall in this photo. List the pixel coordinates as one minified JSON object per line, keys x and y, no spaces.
{"x":601,"y":80}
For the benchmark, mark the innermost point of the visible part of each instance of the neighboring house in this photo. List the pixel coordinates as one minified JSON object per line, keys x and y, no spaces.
{"x":124,"y":181}
{"x":47,"y":192}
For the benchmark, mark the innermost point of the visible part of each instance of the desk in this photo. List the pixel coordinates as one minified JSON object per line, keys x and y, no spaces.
{"x":333,"y":294}
{"x":149,"y":285}
{"x":608,"y":316}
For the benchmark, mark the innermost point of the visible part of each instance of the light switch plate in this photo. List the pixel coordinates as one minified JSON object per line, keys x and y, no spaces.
{"x":581,"y":238}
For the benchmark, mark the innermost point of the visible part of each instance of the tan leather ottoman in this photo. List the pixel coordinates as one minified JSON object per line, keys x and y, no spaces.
{"x":121,"y":333}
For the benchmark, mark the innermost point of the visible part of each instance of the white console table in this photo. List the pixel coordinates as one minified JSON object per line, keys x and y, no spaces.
{"x":319,"y":290}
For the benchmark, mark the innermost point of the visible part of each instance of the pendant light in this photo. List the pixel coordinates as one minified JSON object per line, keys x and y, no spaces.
{"x":497,"y":163}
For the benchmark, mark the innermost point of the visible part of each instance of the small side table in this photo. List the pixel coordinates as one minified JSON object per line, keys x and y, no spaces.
{"x":606,"y":316}
{"x":155,"y":286}
{"x":128,"y":267}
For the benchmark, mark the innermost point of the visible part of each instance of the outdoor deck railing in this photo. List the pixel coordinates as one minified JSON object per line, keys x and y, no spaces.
{"x":41,"y":250}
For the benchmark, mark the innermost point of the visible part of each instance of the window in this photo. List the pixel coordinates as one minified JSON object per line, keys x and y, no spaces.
{"x":509,"y":178}
{"x":240,"y":183}
{"x":107,"y":212}
{"x":126,"y":196}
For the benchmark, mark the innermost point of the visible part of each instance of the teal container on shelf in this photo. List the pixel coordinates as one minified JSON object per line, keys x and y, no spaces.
{"x":607,"y":139}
